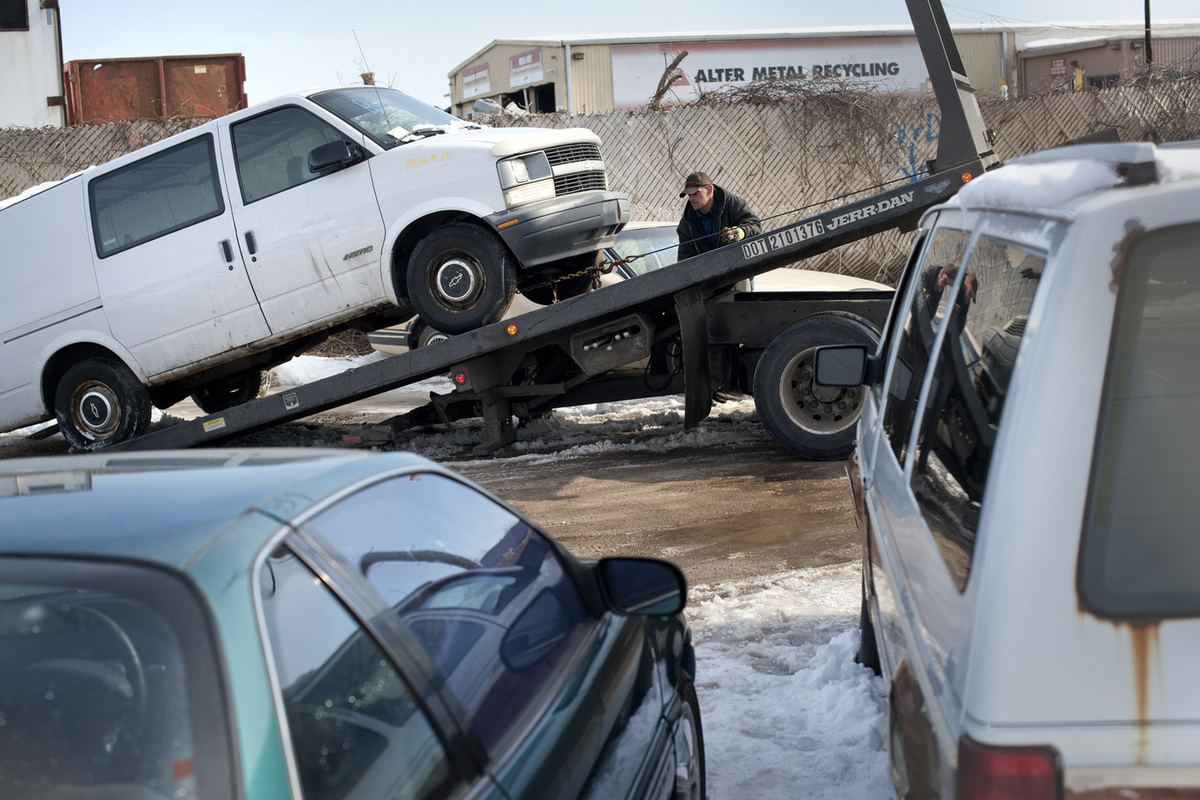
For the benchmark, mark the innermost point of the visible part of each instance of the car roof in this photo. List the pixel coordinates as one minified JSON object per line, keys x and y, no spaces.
{"x":169,"y":507}
{"x":1065,"y":178}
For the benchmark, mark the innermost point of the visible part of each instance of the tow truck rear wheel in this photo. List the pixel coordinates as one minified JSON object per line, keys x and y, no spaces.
{"x":814,"y":422}
{"x":99,"y":402}
{"x":460,"y":277}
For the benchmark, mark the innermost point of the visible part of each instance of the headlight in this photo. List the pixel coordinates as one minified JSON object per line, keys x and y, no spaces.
{"x":523,"y":169}
{"x":526,"y":178}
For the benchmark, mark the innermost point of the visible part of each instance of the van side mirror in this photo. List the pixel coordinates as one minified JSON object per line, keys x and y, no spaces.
{"x":643,"y":586}
{"x":845,"y":365}
{"x":334,"y":155}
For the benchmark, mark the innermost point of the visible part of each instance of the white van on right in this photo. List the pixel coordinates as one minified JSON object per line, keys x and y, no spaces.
{"x":1027,"y":483}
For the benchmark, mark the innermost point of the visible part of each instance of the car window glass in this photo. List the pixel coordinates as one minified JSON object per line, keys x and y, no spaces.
{"x":385,"y":115}
{"x":1140,"y":548}
{"x":356,"y":729}
{"x":99,"y":676}
{"x":482,"y":591}
{"x":156,"y":195}
{"x":272,"y":150}
{"x":985,"y":311}
{"x":913,"y":342}
{"x":650,"y":248}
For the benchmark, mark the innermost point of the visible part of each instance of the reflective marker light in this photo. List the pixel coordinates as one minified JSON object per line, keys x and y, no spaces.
{"x":460,"y":378}
{"x":966,"y":177}
{"x":511,"y":329}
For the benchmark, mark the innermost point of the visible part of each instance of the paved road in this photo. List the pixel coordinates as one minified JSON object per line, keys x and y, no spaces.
{"x":741,"y":509}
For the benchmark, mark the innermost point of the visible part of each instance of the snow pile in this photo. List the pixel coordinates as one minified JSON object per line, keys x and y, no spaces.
{"x":785,"y":710}
{"x":306,"y":369}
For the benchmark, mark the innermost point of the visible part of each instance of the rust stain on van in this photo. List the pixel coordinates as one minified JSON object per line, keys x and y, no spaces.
{"x":1146,"y":652}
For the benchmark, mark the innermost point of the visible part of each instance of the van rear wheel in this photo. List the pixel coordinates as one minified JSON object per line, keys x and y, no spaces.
{"x":231,"y":391}
{"x":99,"y":402}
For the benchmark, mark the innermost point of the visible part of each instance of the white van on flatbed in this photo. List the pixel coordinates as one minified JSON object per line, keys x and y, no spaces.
{"x":190,"y":266}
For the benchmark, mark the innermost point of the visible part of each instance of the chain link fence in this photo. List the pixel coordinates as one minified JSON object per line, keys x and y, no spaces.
{"x":33,"y":156}
{"x":789,"y":160}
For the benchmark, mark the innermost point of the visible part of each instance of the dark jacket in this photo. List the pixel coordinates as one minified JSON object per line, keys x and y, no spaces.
{"x":730,"y":211}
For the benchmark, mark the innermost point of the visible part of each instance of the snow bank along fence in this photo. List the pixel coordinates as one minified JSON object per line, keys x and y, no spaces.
{"x":788,"y":159}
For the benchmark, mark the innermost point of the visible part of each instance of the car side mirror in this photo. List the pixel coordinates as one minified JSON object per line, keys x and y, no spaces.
{"x":334,"y":155}
{"x":845,"y":365}
{"x":643,"y":586}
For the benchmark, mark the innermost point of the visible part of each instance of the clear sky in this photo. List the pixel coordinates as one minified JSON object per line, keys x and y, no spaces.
{"x":307,"y":44}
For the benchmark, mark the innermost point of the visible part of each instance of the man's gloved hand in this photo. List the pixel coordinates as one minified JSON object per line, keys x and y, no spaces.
{"x":732,"y":235}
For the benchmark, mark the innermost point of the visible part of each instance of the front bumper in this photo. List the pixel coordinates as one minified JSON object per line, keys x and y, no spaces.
{"x":540,"y":233}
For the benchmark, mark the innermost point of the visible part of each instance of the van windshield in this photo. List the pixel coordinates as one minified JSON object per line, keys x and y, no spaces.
{"x":389,"y":117}
{"x":1140,"y":547}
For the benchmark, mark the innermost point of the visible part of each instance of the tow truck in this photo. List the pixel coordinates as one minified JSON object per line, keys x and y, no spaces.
{"x":679,"y":330}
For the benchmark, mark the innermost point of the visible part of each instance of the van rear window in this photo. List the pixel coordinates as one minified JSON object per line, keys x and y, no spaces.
{"x":157,"y":195}
{"x":1140,"y":545}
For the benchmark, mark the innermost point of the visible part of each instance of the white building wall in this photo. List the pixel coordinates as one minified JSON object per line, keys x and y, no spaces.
{"x":32,"y":68}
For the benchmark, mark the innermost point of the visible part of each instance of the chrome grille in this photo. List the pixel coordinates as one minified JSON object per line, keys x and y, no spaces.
{"x":571,"y":153}
{"x":579,"y":182}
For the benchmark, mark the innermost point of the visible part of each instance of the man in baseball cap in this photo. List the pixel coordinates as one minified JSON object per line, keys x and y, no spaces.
{"x":712,"y":217}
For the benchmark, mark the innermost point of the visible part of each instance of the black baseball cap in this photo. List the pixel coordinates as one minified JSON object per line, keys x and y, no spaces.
{"x":693,"y":182}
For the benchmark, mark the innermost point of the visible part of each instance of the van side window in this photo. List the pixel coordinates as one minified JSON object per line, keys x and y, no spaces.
{"x":915,"y":341}
{"x":986,"y":311}
{"x":1140,"y":547}
{"x":157,"y":195}
{"x":272,"y":150}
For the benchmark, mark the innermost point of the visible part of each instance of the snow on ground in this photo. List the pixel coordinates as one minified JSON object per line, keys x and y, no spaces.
{"x":785,"y":711}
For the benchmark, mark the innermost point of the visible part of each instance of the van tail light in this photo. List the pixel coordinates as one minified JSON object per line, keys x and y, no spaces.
{"x":987,"y":772}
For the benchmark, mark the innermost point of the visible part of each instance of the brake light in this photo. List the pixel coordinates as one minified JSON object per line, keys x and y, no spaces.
{"x":987,"y":772}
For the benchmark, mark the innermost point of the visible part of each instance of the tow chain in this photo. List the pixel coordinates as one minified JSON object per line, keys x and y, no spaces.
{"x":595,"y":270}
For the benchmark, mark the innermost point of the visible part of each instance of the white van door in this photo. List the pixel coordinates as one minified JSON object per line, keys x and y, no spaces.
{"x":311,"y":241}
{"x":173,"y":284}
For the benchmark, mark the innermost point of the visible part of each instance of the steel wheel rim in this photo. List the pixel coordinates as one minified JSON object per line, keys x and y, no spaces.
{"x":458,"y":280}
{"x":95,"y":410}
{"x":822,"y":410}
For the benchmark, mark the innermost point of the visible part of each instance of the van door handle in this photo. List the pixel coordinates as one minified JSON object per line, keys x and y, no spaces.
{"x":227,"y":251}
{"x":251,"y":245}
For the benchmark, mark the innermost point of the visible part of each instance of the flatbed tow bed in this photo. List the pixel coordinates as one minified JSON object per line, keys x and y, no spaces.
{"x":692,"y":332}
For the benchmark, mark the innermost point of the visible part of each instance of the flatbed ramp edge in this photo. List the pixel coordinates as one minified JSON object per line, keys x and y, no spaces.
{"x":685,"y":286}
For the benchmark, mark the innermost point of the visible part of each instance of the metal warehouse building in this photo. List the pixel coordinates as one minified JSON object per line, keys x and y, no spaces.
{"x":599,"y":74}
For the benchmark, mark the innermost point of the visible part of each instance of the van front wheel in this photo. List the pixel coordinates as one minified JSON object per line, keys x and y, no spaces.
{"x":460,"y":277}
{"x":100,"y":402}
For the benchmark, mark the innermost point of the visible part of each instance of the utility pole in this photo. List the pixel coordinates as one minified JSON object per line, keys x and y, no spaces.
{"x":1149,"y":54}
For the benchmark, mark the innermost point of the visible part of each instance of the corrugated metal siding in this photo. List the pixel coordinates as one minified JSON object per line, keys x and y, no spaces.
{"x":1115,"y":56}
{"x":500,"y":74}
{"x":1182,"y":51}
{"x":983,"y":58}
{"x":591,"y":79}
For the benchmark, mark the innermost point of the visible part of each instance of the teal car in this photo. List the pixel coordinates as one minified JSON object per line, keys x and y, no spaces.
{"x":324,"y":624}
